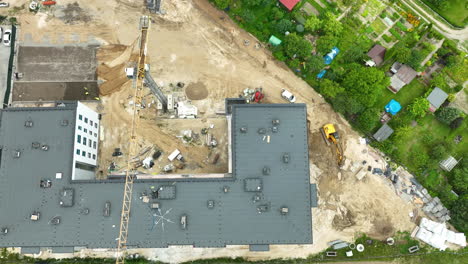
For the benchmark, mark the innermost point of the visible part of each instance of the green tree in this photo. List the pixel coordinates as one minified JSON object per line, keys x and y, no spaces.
{"x":222,"y":4}
{"x":297,"y":46}
{"x":456,"y":123}
{"x":330,"y":88}
{"x":447,"y":114}
{"x":439,"y":152}
{"x":276,"y":14}
{"x":247,"y":15}
{"x":399,"y":52}
{"x":402,"y":131}
{"x":326,"y":43}
{"x":252,"y":2}
{"x":368,"y":119}
{"x":314,"y":64}
{"x":283,"y":25}
{"x":419,"y":107}
{"x":415,"y":59}
{"x":331,"y":25}
{"x":300,"y":28}
{"x":460,"y":180}
{"x":312,"y":24}
{"x":365,"y":84}
{"x":459,"y":214}
{"x":355,"y":53}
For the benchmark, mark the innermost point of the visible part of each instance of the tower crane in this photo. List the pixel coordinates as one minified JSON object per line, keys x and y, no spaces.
{"x":138,"y":78}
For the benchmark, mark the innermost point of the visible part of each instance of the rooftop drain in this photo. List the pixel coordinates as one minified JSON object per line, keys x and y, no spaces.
{"x":286,"y":158}
{"x":243,"y":129}
{"x":28,"y":123}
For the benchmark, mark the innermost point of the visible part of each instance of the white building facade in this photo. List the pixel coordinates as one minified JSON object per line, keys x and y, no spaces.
{"x":86,"y":143}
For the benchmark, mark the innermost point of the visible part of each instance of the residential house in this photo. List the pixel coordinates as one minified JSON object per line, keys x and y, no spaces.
{"x":402,"y":75}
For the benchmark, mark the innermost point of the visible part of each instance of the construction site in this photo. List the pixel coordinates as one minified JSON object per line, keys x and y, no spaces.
{"x":189,"y":141}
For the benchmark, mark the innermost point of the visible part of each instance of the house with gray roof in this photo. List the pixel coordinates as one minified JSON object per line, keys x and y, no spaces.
{"x":264,"y":198}
{"x":436,"y":98}
{"x":402,"y":75}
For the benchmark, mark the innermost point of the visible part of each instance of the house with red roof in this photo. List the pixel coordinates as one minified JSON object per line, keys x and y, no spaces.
{"x":289,"y":4}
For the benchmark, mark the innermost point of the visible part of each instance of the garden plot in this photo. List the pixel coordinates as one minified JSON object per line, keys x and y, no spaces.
{"x":373,"y":8}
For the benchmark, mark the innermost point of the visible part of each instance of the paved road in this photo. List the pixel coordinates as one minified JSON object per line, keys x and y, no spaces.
{"x":4,"y":58}
{"x":457,"y":34}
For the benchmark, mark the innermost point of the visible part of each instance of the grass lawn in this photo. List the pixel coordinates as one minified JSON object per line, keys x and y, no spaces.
{"x":373,"y":8}
{"x":405,"y":96}
{"x":456,"y":12}
{"x":378,"y":26}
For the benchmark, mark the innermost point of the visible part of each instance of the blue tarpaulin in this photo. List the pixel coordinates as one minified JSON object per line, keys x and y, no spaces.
{"x":321,"y":74}
{"x":330,"y":56}
{"x":393,"y":107}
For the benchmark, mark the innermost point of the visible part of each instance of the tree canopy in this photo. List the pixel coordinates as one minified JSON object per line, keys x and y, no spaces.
{"x":312,"y":24}
{"x":330,"y":88}
{"x":365,"y":84}
{"x":419,"y":107}
{"x":447,"y":114}
{"x":330,"y":24}
{"x":297,"y":45}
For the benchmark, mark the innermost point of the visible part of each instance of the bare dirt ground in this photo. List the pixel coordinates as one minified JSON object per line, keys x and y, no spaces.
{"x":200,"y":46}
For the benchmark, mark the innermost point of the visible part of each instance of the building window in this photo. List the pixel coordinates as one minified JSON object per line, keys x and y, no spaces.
{"x":77,"y":152}
{"x":94,"y":156}
{"x":79,"y":127}
{"x":94,"y":144}
{"x":86,"y":120}
{"x":89,"y":143}
{"x":83,"y":153}
{"x":89,"y":155}
{"x":91,"y":122}
{"x":80,"y":117}
{"x":95,"y":125}
{"x":79,"y":139}
{"x":95,"y":135}
{"x":84,"y":141}
{"x":90,"y":133}
{"x":85,"y":130}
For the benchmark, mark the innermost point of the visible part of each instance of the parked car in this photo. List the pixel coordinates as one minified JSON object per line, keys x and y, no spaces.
{"x":288,"y":96}
{"x":2,"y":4}
{"x":7,"y":37}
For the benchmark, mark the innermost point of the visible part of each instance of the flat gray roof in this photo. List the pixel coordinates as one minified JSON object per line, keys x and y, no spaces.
{"x":280,"y":213}
{"x":437,"y":97}
{"x":383,"y":133}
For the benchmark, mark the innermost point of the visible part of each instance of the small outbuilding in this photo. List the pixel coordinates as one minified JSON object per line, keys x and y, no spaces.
{"x":376,"y":55}
{"x":274,"y":41}
{"x":383,"y":133}
{"x":289,"y":4}
{"x":436,"y":98}
{"x":448,"y":164}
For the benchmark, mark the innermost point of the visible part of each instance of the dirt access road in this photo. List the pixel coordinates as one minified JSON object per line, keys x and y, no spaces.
{"x":195,"y":43}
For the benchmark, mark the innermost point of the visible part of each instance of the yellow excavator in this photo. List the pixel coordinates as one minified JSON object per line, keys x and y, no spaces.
{"x":331,"y":136}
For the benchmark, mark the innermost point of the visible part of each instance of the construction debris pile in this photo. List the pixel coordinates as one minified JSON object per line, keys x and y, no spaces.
{"x":437,"y":234}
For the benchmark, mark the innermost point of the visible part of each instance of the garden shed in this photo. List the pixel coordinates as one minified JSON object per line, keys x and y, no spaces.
{"x":289,"y":4}
{"x":383,"y":133}
{"x":436,"y":98}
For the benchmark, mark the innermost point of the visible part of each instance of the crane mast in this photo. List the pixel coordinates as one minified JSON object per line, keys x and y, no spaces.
{"x":138,"y":78}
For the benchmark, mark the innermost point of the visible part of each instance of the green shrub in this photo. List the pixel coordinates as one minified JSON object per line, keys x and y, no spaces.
{"x":447,"y":114}
{"x":395,"y":33}
{"x":369,"y":29}
{"x":300,"y":28}
{"x":395,"y":16}
{"x":401,"y":26}
{"x":387,"y":38}
{"x":383,"y":15}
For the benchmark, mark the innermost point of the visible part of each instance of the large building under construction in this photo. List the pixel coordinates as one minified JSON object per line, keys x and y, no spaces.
{"x":48,"y":199}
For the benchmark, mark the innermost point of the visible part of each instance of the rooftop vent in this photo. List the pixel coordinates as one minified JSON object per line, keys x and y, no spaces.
{"x":275,"y":122}
{"x":274,"y":129}
{"x":28,"y":123}
{"x":262,"y":208}
{"x":84,"y":211}
{"x":256,"y":198}
{"x":16,"y":154}
{"x":183,"y":222}
{"x":261,"y":131}
{"x":226,"y":189}
{"x":155,"y":206}
{"x":64,"y":122}
{"x":210,"y":204}
{"x":35,"y":216}
{"x":284,"y":210}
{"x":36,"y":145}
{"x":45,"y":147}
{"x":45,"y":184}
{"x":286,"y":157}
{"x":266,"y":170}
{"x":107,"y":209}
{"x":55,"y":220}
{"x":243,"y":129}
{"x":3,"y":231}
